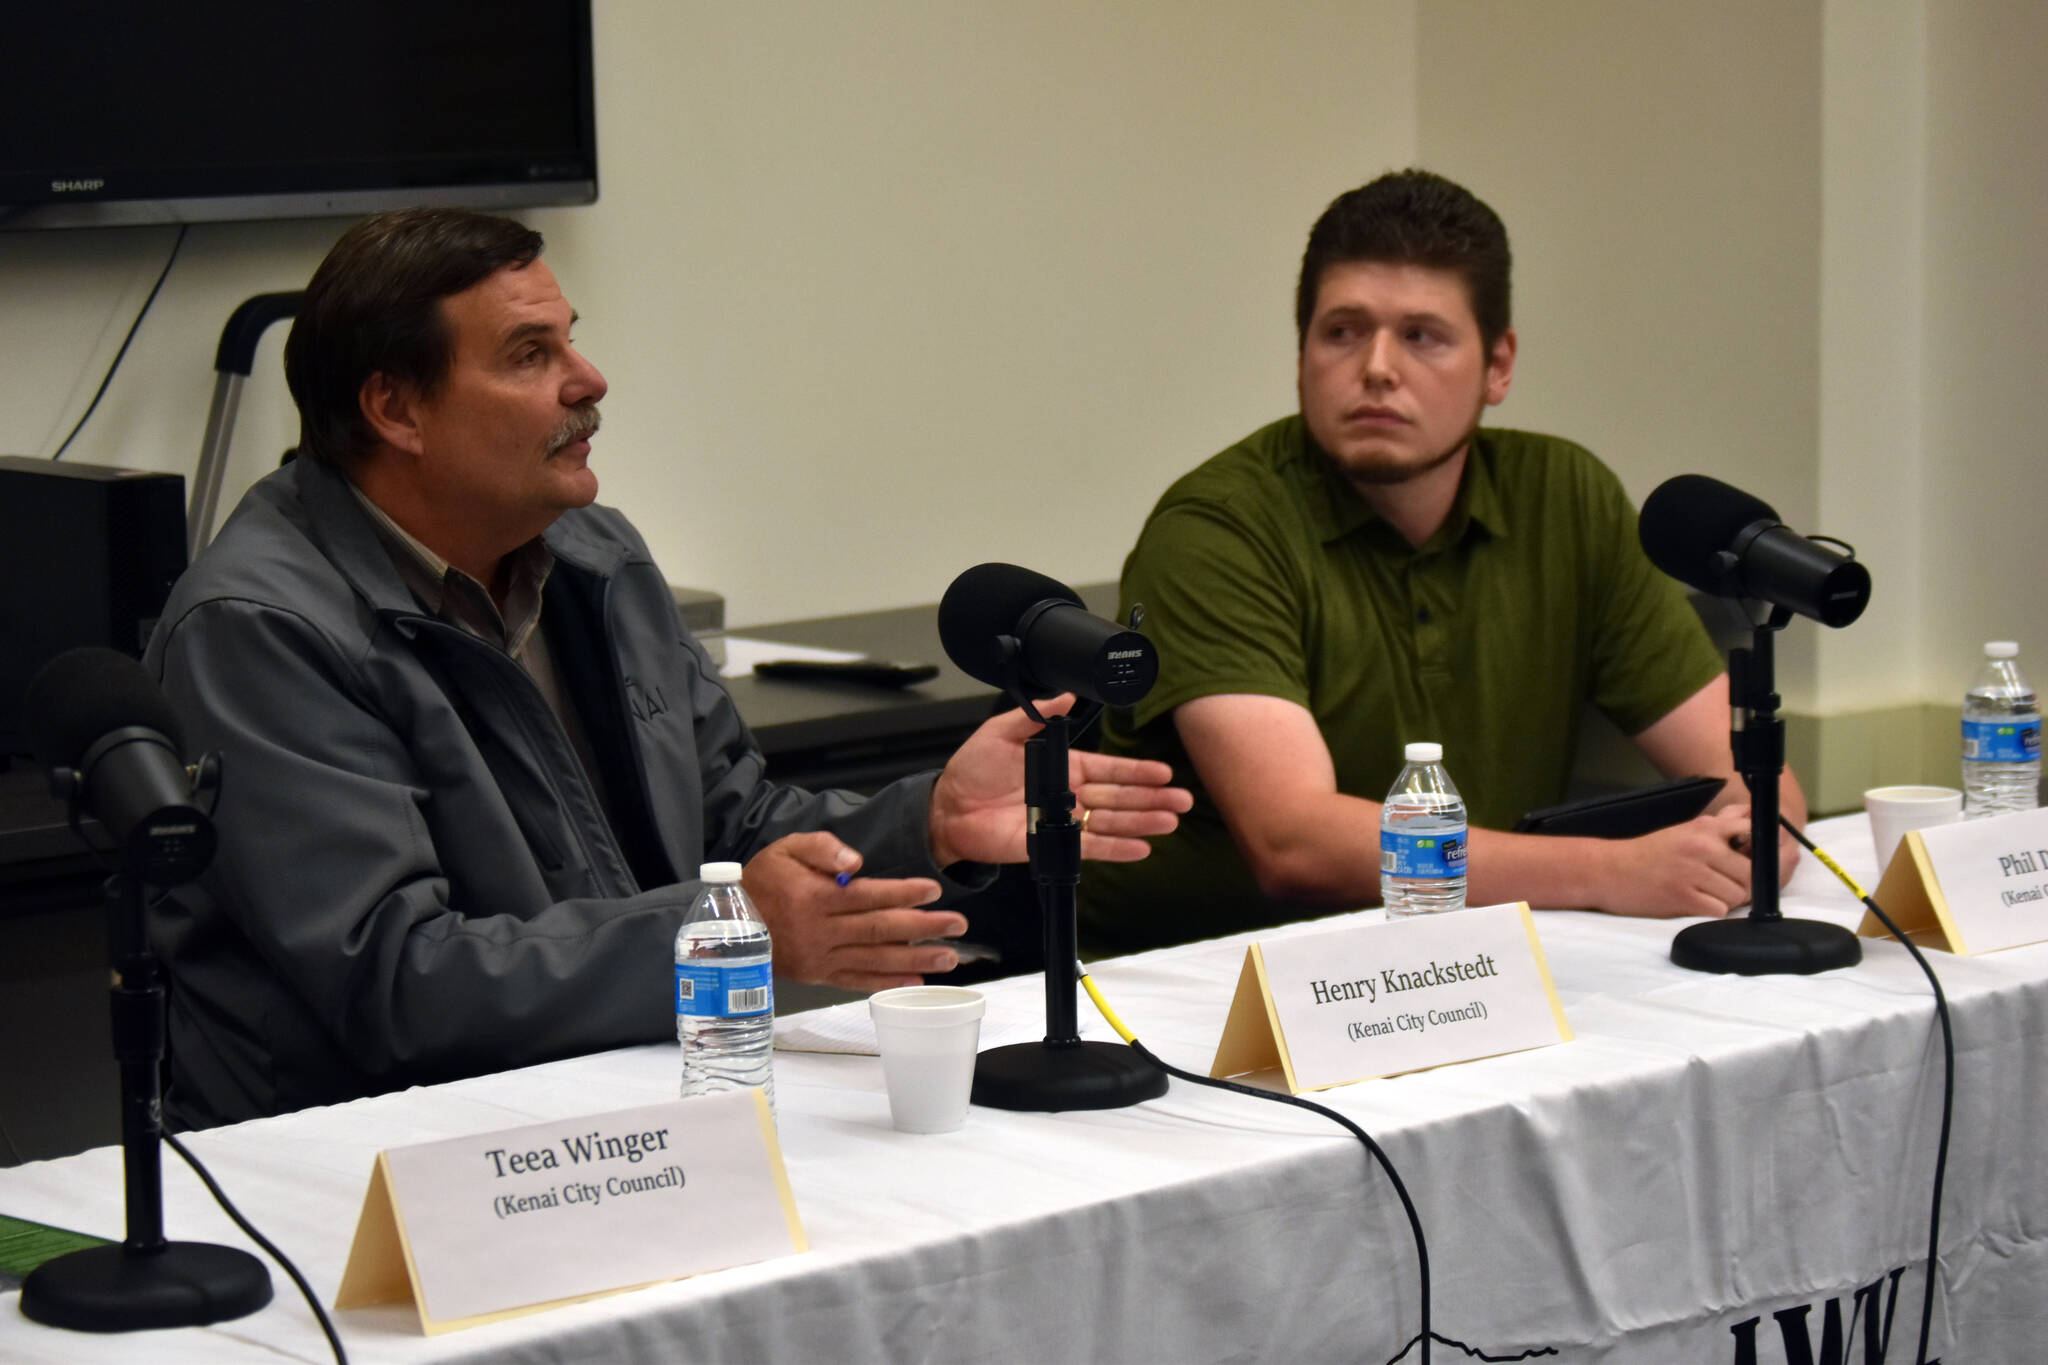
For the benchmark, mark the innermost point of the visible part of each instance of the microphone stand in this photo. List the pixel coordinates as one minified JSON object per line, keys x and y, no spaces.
{"x":1765,"y":943}
{"x":1062,"y":1071}
{"x":144,"y":1281}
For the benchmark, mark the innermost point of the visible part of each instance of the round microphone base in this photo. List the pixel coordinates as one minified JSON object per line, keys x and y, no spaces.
{"x":113,"y":1289}
{"x":1048,"y":1077}
{"x":1766,"y":947}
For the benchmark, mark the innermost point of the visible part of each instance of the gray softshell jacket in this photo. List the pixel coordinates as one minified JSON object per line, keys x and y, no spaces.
{"x":415,"y":879}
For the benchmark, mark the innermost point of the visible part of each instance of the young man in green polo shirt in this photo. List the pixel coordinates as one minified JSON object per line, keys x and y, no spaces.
{"x":1379,"y":569}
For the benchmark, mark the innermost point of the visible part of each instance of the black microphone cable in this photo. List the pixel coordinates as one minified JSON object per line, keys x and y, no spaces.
{"x":220,"y":1197}
{"x":121,"y":354}
{"x":1425,"y":1335}
{"x":1948,"y":1077}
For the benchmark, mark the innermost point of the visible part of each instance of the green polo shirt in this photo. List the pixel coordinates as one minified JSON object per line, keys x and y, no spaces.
{"x":1263,"y":572}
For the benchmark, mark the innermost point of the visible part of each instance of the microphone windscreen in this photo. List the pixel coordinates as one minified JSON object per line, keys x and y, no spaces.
{"x":1689,"y":519}
{"x":87,"y":693}
{"x":986,"y":601}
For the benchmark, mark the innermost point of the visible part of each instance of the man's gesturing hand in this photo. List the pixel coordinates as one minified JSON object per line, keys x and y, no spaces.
{"x":977,"y":811}
{"x":857,"y":936}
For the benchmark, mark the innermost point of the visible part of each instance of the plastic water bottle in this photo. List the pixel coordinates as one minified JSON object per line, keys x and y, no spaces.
{"x":1422,"y":838}
{"x":2001,"y":737}
{"x":725,"y":989}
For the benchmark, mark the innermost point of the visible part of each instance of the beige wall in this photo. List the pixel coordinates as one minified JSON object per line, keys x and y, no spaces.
{"x":1873,"y":251}
{"x":1985,"y":566}
{"x":1936,"y":261}
{"x":882,"y":296}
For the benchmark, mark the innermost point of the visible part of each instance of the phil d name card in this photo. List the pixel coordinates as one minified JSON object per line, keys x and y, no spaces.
{"x":1379,"y":997}
{"x":1972,"y":887}
{"x":471,"y":1229}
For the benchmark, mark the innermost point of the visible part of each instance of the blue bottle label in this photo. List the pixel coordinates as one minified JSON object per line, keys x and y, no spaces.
{"x":1438,"y":855}
{"x":2002,"y":741}
{"x":712,"y":990}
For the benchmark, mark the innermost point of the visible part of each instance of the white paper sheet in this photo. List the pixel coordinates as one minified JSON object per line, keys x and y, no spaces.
{"x":743,"y":652}
{"x":848,"y":1028}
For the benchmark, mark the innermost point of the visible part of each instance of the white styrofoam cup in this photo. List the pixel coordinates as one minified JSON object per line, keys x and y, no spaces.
{"x":927,"y":1037}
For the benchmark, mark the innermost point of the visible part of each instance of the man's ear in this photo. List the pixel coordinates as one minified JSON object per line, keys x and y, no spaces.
{"x":392,"y":409}
{"x":1500,"y":368}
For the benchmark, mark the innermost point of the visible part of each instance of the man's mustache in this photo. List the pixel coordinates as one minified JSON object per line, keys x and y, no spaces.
{"x":579,"y":424}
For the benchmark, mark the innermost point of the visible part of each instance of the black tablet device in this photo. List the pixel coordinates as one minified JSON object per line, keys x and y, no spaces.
{"x":1624,"y":815}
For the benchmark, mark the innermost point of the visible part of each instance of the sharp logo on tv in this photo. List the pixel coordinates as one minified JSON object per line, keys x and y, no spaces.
{"x":77,"y":186}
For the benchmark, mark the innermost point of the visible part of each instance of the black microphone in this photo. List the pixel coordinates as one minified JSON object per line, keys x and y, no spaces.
{"x":1723,"y":541}
{"x":95,"y":712}
{"x":1001,"y":625}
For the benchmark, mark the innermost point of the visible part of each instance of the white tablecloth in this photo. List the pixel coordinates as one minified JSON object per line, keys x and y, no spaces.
{"x":1708,"y":1153}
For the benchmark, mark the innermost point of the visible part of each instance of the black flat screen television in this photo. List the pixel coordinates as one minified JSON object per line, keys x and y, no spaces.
{"x":123,"y":111}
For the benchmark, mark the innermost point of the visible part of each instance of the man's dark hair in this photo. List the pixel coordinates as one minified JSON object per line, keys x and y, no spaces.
{"x":375,"y":305}
{"x":1412,"y":218}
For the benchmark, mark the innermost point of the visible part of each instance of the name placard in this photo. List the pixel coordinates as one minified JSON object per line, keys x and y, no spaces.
{"x":1385,"y":996}
{"x":473,"y":1229}
{"x":1971,"y":887}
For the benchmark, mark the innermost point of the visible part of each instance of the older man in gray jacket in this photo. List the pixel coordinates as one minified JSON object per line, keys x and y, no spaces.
{"x":473,"y":758}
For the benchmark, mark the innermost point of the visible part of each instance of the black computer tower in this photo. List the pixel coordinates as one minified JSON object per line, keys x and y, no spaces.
{"x":87,"y":556}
